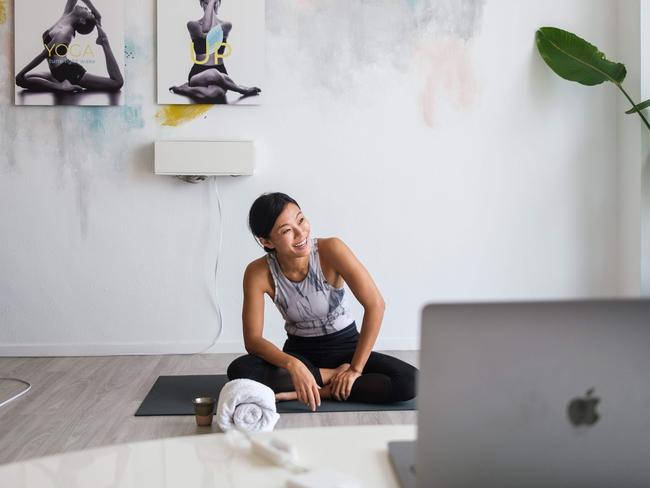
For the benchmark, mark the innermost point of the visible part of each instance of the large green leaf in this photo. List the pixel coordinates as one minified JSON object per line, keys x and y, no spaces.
{"x":639,"y":107}
{"x":575,"y":59}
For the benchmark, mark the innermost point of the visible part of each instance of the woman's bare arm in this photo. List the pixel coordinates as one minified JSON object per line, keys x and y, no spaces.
{"x":94,"y":10}
{"x":364,"y":289}
{"x":208,"y":17}
{"x":303,"y":380}
{"x":69,"y":6}
{"x":32,"y":64}
{"x":253,"y":318}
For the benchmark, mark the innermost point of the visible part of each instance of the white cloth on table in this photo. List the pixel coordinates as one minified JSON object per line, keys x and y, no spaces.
{"x":247,"y":405}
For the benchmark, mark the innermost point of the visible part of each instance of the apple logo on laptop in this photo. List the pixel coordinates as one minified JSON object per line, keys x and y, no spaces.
{"x":582,"y":411}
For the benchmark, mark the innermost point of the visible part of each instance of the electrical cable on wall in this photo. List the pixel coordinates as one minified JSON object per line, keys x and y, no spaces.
{"x":215,"y":295}
{"x":18,"y":395}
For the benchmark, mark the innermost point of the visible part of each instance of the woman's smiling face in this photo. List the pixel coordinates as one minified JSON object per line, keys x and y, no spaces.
{"x":290,"y":233}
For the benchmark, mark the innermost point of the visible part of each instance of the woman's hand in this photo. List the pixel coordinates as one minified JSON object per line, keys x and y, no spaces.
{"x":93,"y":10}
{"x":341,"y":383}
{"x":102,"y":38}
{"x":305,"y":384}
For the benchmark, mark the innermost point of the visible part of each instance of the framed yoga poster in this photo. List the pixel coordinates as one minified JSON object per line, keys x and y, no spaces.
{"x":69,"y":52}
{"x":210,"y":51}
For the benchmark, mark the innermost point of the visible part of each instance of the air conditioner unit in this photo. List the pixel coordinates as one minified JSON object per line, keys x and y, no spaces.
{"x":209,"y":158}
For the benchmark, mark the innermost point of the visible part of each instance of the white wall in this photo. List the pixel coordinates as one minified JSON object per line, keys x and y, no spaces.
{"x":630,"y":134}
{"x":634,"y":149}
{"x":644,"y":57}
{"x":443,"y":151}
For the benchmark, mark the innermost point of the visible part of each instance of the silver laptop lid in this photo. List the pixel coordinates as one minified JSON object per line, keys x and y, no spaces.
{"x":535,"y":394}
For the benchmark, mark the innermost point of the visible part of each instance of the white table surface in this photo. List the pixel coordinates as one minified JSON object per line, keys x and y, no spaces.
{"x":210,"y":460}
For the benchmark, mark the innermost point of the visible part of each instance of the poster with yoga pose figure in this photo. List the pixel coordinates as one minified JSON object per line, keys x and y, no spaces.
{"x":210,"y":51}
{"x":69,"y":52}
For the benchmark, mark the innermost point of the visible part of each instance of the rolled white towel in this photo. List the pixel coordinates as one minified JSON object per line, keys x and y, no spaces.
{"x":247,"y":405}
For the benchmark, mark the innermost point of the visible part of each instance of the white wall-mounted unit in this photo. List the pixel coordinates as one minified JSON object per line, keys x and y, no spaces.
{"x":211,"y":158}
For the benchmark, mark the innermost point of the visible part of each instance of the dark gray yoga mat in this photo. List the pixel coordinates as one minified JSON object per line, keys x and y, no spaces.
{"x":172,"y":395}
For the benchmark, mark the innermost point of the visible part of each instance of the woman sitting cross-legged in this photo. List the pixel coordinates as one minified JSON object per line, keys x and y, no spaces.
{"x":324,"y":356}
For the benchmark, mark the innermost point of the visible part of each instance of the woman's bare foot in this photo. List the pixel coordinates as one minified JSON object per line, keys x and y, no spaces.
{"x":286,"y":396}
{"x":68,"y":87}
{"x":252,"y":91}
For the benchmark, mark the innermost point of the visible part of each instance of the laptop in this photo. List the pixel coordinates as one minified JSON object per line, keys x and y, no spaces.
{"x":532,"y":394}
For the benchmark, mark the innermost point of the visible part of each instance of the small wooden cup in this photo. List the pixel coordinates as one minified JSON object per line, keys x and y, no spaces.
{"x":204,"y":410}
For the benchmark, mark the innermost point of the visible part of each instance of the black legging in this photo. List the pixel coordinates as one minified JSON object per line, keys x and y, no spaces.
{"x":385,"y":379}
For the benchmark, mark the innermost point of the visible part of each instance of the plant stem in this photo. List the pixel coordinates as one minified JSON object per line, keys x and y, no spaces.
{"x":645,"y":121}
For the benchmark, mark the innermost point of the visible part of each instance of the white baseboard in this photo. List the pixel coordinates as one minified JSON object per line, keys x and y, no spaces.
{"x":137,"y":349}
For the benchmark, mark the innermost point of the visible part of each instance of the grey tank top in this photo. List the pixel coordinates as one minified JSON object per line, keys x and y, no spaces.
{"x":311,"y":307}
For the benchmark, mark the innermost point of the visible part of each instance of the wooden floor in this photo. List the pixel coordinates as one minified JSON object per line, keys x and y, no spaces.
{"x":81,"y":402}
